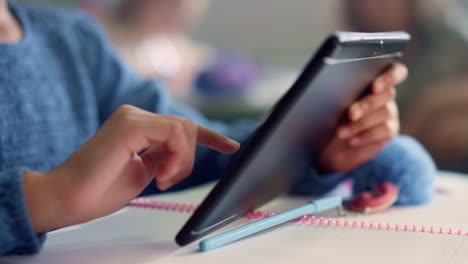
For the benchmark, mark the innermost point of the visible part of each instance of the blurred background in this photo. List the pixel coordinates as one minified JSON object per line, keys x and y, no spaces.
{"x":234,"y":59}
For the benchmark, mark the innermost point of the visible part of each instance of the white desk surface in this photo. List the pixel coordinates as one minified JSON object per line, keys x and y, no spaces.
{"x":135,"y":235}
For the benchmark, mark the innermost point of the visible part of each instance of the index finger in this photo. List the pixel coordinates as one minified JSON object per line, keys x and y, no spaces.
{"x":395,"y":75}
{"x":216,"y":141}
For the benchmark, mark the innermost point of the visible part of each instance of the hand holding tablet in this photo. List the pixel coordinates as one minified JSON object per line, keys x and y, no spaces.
{"x":371,"y":123}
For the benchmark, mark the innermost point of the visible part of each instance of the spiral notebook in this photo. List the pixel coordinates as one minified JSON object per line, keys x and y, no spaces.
{"x":144,"y":233}
{"x":330,"y":239}
{"x":437,"y":233}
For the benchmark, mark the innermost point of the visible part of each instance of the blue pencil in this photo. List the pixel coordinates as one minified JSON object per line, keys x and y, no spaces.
{"x":311,"y":207}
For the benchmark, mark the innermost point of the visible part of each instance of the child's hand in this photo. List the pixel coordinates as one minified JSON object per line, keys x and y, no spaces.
{"x":106,"y":173}
{"x":373,"y":123}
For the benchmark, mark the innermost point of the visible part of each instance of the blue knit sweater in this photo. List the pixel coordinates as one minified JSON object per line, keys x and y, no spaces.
{"x":60,"y":83}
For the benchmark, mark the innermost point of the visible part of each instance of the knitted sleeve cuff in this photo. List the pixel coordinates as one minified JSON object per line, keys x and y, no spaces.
{"x":16,"y":232}
{"x":316,"y":183}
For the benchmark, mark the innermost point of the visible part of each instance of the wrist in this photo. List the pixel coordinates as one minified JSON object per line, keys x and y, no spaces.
{"x":43,"y":207}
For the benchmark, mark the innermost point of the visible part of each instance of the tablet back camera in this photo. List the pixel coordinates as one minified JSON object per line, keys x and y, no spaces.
{"x":379,"y":48}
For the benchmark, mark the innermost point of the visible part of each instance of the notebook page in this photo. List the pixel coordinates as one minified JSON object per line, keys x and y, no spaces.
{"x":298,"y":243}
{"x":312,"y":244}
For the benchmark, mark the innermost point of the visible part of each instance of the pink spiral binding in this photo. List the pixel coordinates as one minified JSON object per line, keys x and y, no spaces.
{"x":155,"y":204}
{"x":162,"y":205}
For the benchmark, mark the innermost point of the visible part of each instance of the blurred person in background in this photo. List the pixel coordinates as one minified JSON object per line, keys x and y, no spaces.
{"x":433,"y":102}
{"x":153,"y":37}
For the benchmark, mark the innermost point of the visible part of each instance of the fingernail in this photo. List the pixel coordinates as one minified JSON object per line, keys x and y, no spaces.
{"x":344,"y":133}
{"x":402,"y":70}
{"x":166,"y":177}
{"x":356,"y":113}
{"x":233,"y":142}
{"x":164,"y":185}
{"x":379,"y":85}
{"x":354,"y":141}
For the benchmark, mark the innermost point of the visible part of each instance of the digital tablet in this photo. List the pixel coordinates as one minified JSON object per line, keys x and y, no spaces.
{"x":288,"y":142}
